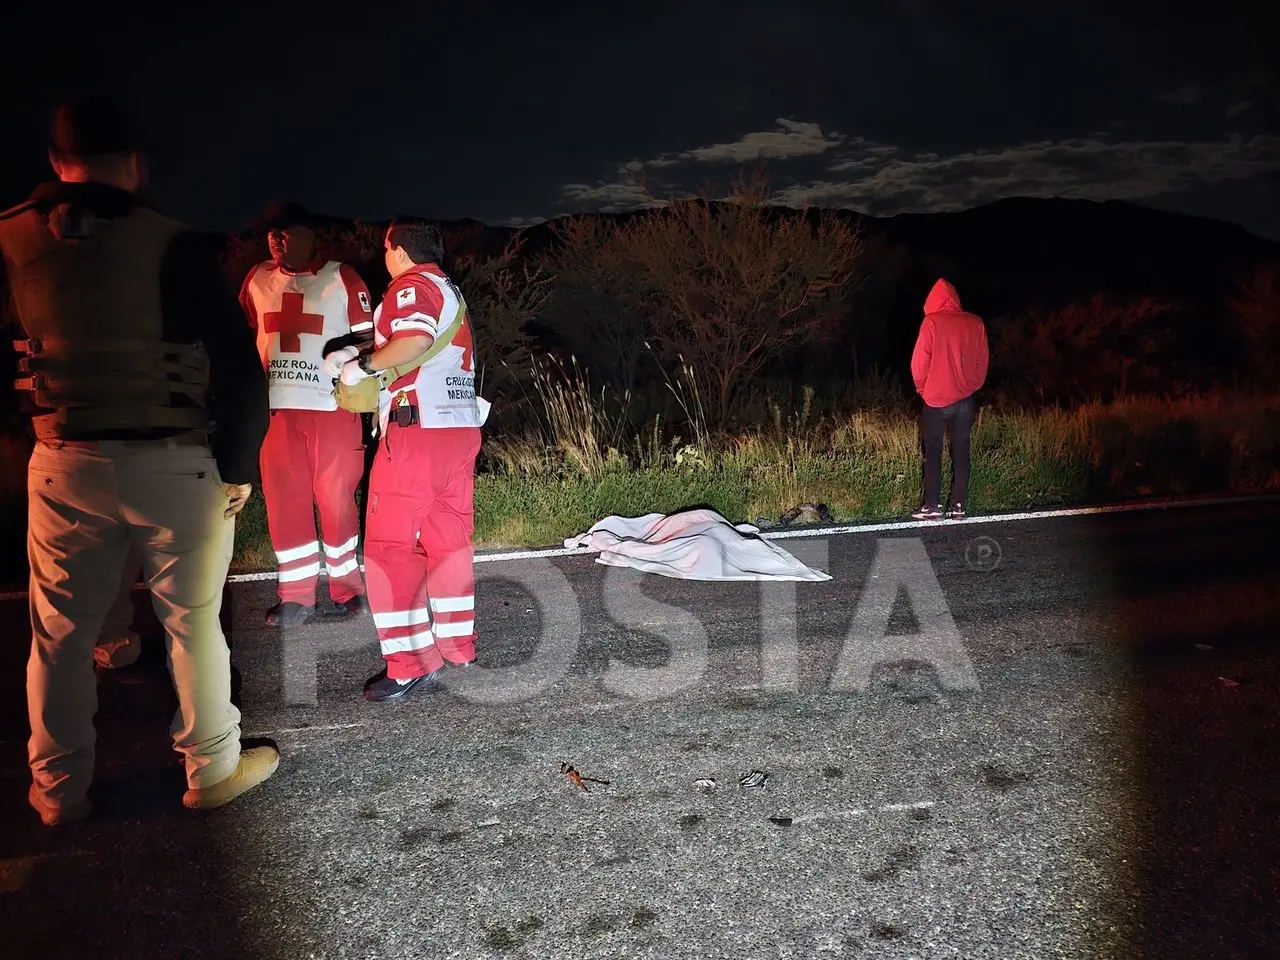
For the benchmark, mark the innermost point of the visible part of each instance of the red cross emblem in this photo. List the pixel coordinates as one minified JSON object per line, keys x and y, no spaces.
{"x":290,"y":321}
{"x":463,"y":339}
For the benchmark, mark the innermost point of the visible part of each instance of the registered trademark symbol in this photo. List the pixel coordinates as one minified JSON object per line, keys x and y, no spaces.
{"x":982,"y":553}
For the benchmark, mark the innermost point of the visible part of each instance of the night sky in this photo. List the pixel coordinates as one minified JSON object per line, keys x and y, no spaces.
{"x":508,"y":114}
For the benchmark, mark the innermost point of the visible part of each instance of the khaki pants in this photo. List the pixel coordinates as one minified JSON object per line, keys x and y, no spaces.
{"x":119,"y":644}
{"x":89,"y":505}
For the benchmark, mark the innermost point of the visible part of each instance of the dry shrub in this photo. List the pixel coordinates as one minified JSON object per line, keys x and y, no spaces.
{"x":731,"y":284}
{"x":359,"y":246}
{"x":721,"y":288}
{"x":1255,"y":309}
{"x":596,"y":311}
{"x":504,"y":293}
{"x":1100,"y":347}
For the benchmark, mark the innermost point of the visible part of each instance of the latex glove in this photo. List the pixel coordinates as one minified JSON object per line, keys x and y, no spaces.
{"x":352,"y":374}
{"x":334,"y":361}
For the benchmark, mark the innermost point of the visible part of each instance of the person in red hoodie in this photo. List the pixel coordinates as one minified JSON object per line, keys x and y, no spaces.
{"x":949,"y":366}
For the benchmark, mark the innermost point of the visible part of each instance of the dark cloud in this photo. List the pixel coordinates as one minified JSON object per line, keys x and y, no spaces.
{"x":790,"y":139}
{"x":1076,"y":169}
{"x":884,"y":179}
{"x":510,"y":113}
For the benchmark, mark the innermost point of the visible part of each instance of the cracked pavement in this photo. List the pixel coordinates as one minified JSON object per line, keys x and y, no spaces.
{"x":1107,"y":789}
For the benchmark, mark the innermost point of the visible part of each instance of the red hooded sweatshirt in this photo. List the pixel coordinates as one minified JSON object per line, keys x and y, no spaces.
{"x":950,"y":359}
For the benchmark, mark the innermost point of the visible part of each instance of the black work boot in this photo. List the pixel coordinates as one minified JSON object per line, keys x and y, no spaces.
{"x":357,"y":606}
{"x":382,"y":688}
{"x":289,"y":614}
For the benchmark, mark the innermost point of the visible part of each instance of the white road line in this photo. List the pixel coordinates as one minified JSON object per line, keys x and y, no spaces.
{"x":535,"y":554}
{"x":918,"y":805}
{"x":845,"y":530}
{"x":1138,"y":507}
{"x":330,"y":726}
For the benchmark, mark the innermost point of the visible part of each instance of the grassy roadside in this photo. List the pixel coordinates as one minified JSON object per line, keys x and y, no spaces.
{"x":538,"y":488}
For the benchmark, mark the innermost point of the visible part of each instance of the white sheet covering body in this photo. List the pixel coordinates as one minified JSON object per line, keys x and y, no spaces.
{"x":691,"y":545}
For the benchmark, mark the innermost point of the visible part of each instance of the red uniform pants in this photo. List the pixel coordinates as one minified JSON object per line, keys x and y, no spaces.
{"x":419,"y":559}
{"x":310,"y":459}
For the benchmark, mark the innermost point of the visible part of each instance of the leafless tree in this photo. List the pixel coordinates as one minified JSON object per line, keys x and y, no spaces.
{"x":730,"y":283}
{"x":597,"y":310}
{"x":1255,"y":307}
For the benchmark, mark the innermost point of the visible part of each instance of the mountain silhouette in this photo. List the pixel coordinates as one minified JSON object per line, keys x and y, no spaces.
{"x":1007,"y":258}
{"x":1014,"y":251}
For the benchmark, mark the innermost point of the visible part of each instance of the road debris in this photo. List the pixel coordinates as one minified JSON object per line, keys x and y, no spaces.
{"x":579,"y":779}
{"x":705,"y":783}
{"x":753,"y":780}
{"x":806,"y":513}
{"x":1229,"y":684}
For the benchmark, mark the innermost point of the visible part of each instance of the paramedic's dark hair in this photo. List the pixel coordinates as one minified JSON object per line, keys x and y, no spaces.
{"x":420,"y":240}
{"x":85,"y":127}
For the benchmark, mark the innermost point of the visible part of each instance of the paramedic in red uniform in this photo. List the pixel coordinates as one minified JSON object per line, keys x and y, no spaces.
{"x":314,"y":452}
{"x":419,"y":521}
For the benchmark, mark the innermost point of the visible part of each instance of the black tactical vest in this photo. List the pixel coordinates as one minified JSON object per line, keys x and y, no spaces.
{"x":86,"y":292}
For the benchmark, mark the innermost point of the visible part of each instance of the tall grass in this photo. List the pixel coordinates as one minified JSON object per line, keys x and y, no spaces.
{"x":575,"y":428}
{"x":865,"y":463}
{"x":854,"y":448}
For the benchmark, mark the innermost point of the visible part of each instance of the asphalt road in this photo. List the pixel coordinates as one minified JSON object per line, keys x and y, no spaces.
{"x":1105,"y":787}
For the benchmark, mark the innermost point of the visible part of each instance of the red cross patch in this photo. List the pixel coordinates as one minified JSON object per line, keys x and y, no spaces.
{"x":290,"y":321}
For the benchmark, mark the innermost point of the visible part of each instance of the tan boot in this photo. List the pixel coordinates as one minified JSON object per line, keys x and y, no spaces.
{"x":256,"y":764}
{"x":54,"y":816}
{"x":118,"y":653}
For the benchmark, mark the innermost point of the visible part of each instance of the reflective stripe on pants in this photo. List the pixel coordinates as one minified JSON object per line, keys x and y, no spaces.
{"x":419,"y":558}
{"x":313,"y":461}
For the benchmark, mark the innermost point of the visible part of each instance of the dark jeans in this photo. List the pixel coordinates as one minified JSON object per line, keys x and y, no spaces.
{"x":934,"y":422}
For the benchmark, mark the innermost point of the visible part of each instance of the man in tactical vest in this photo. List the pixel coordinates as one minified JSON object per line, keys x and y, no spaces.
{"x":128,"y":324}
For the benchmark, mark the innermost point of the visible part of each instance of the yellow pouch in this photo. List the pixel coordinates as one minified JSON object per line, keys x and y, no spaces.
{"x":362,"y":398}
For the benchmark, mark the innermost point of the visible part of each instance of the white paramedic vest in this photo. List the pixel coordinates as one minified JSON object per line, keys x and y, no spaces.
{"x":444,"y":387}
{"x":297,"y":313}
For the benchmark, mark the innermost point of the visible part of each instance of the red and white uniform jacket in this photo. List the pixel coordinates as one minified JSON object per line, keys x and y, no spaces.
{"x":424,"y":300}
{"x":295,"y":315}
